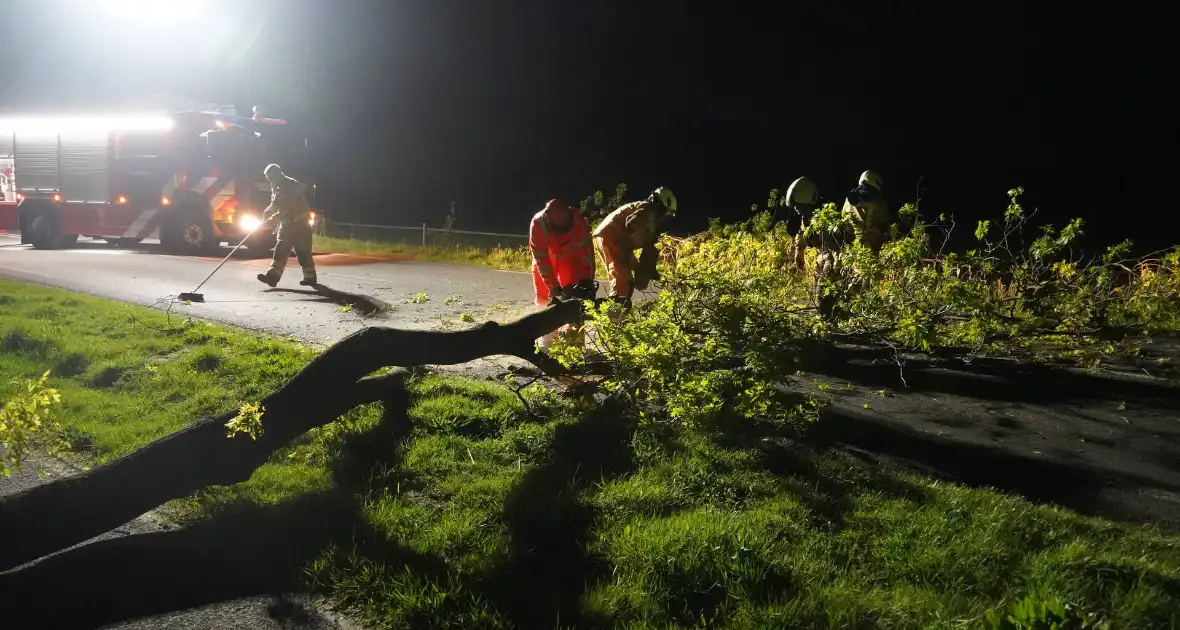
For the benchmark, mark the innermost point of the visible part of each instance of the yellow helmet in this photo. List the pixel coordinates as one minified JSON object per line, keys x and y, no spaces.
{"x":870,"y":178}
{"x":802,"y":192}
{"x":664,"y":195}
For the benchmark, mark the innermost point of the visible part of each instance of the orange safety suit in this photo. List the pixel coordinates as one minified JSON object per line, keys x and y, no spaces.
{"x":560,"y":259}
{"x":632,"y":226}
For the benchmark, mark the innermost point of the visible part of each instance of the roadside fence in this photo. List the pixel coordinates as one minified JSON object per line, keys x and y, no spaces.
{"x":423,"y":235}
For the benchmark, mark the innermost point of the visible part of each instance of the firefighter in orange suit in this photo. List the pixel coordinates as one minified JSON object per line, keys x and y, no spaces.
{"x":559,"y":239}
{"x":633,"y":226}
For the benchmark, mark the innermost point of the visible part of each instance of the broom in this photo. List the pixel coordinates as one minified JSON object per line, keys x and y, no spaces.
{"x":193,"y":296}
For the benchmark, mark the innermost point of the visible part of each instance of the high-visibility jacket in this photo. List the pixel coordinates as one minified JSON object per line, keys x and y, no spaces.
{"x":630,"y":227}
{"x":561,"y":259}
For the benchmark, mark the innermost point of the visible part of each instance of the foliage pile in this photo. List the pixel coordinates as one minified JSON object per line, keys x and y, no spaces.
{"x":733,"y":316}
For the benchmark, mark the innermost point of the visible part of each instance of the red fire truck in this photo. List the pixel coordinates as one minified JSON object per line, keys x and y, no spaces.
{"x":193,"y":180}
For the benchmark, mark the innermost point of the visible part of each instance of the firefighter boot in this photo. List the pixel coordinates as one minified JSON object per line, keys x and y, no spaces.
{"x":268,"y":279}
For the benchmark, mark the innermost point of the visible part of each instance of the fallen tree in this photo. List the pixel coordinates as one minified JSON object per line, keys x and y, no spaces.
{"x":62,"y":513}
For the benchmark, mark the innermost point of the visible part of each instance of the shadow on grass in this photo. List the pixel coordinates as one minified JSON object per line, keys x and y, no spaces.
{"x":826,"y":481}
{"x":548,"y":569}
{"x":363,"y":304}
{"x":256,"y":551}
{"x":242,"y":550}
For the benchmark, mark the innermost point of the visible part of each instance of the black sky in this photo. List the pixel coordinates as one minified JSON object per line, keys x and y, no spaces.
{"x":501,"y":105}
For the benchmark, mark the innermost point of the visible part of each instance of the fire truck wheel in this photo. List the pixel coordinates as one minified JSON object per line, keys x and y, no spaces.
{"x":44,"y":232}
{"x":188,"y":233}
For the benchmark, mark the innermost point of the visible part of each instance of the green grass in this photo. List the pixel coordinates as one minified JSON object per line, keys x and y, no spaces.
{"x":476,"y":513}
{"x":509,"y":258}
{"x":124,"y":379}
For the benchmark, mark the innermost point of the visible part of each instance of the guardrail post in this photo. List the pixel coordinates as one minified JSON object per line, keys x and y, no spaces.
{"x":423,"y":235}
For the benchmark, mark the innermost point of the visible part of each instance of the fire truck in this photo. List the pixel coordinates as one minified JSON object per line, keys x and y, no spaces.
{"x":193,"y":179}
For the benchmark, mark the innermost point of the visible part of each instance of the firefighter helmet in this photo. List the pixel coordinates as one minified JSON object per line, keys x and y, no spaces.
{"x":870,"y":178}
{"x":666,"y":198}
{"x":802,"y":192}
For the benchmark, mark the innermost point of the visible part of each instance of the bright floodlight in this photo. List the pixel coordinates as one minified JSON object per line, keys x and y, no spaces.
{"x":87,"y":125}
{"x":249,"y":222}
{"x":152,"y":11}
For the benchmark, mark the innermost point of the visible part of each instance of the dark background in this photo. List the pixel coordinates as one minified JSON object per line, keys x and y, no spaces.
{"x":502,"y":104}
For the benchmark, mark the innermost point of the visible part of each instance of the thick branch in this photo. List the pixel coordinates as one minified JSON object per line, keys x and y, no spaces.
{"x":56,"y":515}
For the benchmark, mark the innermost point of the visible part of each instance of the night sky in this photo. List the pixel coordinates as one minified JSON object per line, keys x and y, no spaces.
{"x":502,"y":104}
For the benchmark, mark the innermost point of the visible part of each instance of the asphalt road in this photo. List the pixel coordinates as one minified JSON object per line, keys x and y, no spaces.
{"x":142,"y":275}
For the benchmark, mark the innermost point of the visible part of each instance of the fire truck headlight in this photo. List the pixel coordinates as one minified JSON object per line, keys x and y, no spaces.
{"x":249,"y":222}
{"x":311,"y":219}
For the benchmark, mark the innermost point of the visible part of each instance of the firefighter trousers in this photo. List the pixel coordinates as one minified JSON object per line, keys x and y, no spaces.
{"x":296,"y":236}
{"x":618,"y":261}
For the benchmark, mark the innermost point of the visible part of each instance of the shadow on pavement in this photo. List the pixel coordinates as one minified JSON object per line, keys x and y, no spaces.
{"x":1112,"y":494}
{"x":363,"y":304}
{"x":987,"y":380}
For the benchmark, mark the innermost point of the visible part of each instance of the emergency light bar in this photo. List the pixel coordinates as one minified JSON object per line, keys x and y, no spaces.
{"x":87,"y":125}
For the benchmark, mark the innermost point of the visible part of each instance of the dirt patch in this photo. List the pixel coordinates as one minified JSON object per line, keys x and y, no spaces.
{"x":71,"y":365}
{"x":207,"y":362}
{"x":18,"y":342}
{"x":108,"y":376}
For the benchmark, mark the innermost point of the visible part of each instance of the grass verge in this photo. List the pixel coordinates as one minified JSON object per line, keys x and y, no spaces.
{"x":479,"y":512}
{"x":508,"y":258}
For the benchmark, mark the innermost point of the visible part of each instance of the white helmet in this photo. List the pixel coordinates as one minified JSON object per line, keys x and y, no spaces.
{"x":802,"y":192}
{"x":870,"y":178}
{"x":666,"y":198}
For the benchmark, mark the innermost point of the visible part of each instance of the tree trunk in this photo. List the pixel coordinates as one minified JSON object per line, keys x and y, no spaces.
{"x":62,"y":513}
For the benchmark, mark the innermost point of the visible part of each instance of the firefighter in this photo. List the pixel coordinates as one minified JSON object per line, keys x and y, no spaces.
{"x":563,"y":256}
{"x":866,"y":209}
{"x":290,"y":208}
{"x":802,"y":199}
{"x":633,"y":226}
{"x":559,"y":239}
